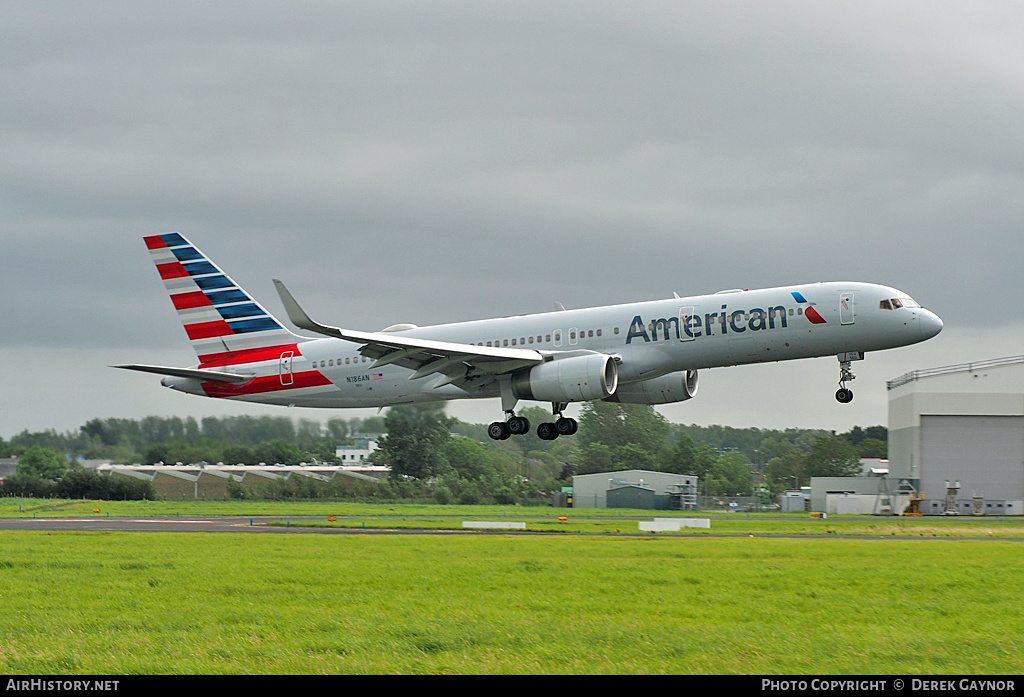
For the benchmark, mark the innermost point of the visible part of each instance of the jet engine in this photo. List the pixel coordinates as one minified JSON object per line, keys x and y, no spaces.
{"x":674,"y":387}
{"x":575,"y":379}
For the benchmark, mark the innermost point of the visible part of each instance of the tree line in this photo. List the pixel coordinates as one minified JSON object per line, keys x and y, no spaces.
{"x":728,"y":461}
{"x":44,"y":473}
{"x":245,"y":440}
{"x":614,"y":437}
{"x":433,"y":456}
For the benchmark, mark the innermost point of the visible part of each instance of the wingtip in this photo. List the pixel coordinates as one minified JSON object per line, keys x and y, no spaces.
{"x":295,"y":312}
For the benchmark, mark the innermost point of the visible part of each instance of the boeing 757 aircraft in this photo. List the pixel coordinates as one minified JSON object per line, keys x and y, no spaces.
{"x":638,"y":353}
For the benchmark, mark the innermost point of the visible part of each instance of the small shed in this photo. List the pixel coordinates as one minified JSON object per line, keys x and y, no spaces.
{"x":631,"y":496}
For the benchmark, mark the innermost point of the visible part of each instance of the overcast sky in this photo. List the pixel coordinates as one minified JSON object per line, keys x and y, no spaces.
{"x":437,"y":161}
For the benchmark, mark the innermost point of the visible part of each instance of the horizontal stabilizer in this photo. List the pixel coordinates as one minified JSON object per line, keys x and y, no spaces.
{"x":193,"y":373}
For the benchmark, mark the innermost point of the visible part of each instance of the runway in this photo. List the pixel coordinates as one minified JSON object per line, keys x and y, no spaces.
{"x":192,"y":524}
{"x":280,"y":525}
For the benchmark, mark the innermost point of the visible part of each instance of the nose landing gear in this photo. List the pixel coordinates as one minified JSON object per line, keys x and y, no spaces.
{"x":844,"y":395}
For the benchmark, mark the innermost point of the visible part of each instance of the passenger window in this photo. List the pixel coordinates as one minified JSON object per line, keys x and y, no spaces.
{"x":599,"y":332}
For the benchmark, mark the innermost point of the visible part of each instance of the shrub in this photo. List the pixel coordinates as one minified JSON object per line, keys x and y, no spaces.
{"x":442,"y":495}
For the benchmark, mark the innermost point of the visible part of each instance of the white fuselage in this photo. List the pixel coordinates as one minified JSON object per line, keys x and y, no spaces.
{"x":647,"y":339}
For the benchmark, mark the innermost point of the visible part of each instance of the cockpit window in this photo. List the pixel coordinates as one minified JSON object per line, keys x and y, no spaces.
{"x":897,"y":303}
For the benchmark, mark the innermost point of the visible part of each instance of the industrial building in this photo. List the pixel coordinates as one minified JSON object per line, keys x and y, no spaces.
{"x":635,"y":489}
{"x":960,"y":427}
{"x":182,"y":482}
{"x":8,"y":467}
{"x":357,"y":453}
{"x":871,"y":495}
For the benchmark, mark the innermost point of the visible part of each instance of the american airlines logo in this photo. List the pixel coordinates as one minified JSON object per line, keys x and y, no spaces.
{"x":736,"y":321}
{"x":809,"y":312}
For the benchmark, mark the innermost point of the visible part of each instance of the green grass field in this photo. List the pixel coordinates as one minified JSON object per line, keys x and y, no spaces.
{"x":129,"y":603}
{"x":538,"y":519}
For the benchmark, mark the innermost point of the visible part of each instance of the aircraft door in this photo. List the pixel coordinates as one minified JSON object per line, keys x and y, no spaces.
{"x":847,"y":310}
{"x":286,"y":368}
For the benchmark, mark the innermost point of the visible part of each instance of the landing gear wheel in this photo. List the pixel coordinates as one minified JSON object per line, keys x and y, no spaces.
{"x":547,"y":431}
{"x":498,"y":431}
{"x":844,"y":395}
{"x":566,"y":426}
{"x":518,"y":425}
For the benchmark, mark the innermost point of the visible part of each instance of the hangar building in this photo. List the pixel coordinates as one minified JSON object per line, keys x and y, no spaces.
{"x":961,"y":423}
{"x":174,"y":482}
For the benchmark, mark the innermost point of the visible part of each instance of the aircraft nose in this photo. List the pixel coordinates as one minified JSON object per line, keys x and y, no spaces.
{"x":930,"y":324}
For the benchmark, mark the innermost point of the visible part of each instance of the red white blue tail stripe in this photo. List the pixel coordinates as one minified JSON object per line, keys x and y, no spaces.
{"x":224,"y":324}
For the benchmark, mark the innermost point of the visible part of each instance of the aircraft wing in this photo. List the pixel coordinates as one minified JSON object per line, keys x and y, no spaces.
{"x":464,"y":364}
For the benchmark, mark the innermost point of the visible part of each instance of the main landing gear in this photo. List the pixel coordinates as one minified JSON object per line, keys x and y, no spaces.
{"x":519,"y":425}
{"x":512,"y":426}
{"x":561,"y":427}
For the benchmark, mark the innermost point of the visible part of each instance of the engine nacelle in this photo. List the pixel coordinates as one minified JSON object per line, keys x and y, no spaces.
{"x":575,"y":379}
{"x":674,"y":387}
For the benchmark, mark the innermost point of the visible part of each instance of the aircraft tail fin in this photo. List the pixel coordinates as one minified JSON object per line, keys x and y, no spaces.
{"x":222,"y":321}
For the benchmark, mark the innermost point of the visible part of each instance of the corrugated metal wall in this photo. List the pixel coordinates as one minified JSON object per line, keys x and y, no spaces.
{"x":984,"y":453}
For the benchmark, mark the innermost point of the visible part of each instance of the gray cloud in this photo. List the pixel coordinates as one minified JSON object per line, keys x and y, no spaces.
{"x":432,"y":162}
